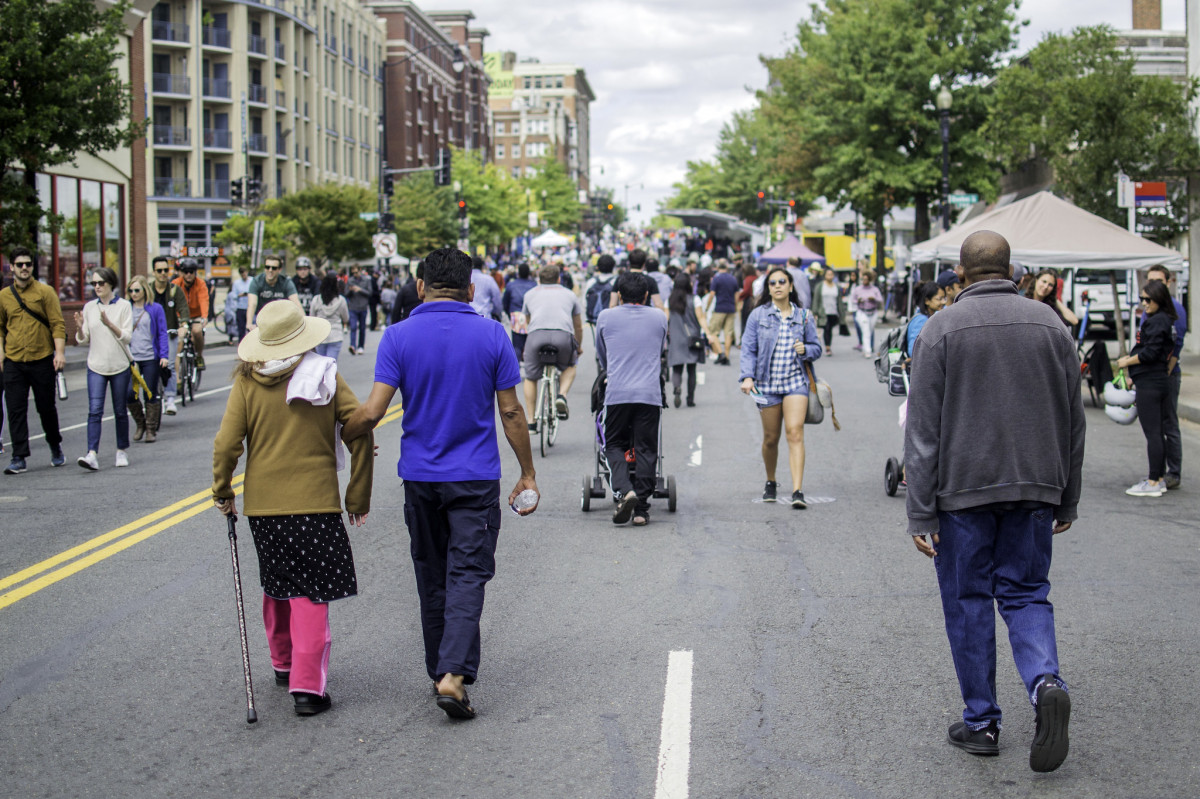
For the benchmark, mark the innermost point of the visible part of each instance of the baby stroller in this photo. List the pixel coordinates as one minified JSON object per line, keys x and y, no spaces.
{"x":594,"y":485}
{"x":893,"y":471}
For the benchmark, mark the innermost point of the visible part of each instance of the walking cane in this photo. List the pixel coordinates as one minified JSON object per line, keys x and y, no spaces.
{"x":251,"y":715}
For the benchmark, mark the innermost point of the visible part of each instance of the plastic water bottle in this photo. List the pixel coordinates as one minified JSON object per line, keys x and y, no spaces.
{"x":525,"y":500}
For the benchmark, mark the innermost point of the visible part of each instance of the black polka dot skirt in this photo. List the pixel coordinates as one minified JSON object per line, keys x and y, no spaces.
{"x":304,"y":556}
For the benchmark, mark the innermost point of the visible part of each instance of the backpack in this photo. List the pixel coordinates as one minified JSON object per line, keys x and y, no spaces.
{"x":598,"y":297}
{"x":891,"y":350}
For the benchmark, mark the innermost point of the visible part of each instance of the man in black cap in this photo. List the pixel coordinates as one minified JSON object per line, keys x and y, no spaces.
{"x":950,"y":283}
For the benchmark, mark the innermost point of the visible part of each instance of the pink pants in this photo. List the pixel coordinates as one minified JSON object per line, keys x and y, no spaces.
{"x":299,"y":638}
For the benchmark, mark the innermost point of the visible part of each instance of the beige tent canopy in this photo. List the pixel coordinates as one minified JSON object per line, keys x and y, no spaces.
{"x":1045,"y":231}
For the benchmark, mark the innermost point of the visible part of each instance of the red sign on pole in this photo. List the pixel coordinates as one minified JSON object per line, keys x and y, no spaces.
{"x":1150,"y":194}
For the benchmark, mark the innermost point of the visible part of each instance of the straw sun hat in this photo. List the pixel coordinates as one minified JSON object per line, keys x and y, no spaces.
{"x":283,"y":331}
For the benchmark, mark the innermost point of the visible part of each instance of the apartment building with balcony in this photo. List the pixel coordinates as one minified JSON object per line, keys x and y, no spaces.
{"x":429,"y":103}
{"x":540,"y":111}
{"x":283,"y":91}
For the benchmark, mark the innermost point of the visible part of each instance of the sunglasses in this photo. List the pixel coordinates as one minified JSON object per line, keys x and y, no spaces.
{"x":135,"y":291}
{"x":97,"y":283}
{"x":1145,"y":300}
{"x":272,"y":268}
{"x":23,"y":265}
{"x":162,"y":271}
{"x":777,"y":282}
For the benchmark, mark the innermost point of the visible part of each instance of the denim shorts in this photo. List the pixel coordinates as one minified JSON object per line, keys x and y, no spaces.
{"x":770,"y":400}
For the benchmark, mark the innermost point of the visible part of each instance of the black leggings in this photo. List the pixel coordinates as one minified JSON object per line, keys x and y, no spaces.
{"x":831,"y":322}
{"x":1153,"y":406}
{"x":677,"y":378}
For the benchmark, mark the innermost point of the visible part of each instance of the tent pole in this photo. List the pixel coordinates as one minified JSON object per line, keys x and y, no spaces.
{"x":1118,"y":315}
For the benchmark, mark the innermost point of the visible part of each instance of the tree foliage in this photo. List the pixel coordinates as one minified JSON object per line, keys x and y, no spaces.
{"x":560,"y":208}
{"x":856,"y":99}
{"x":1076,"y":102}
{"x":424,"y":216}
{"x":495,"y":202}
{"x":62,"y":96}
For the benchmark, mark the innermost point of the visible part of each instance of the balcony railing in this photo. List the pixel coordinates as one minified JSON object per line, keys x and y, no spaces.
{"x":217,"y":87}
{"x":216,"y":189}
{"x":281,"y":146}
{"x":169,"y":32}
{"x":215,"y":37}
{"x":168,"y":136}
{"x":279,"y":51}
{"x":166,"y":83}
{"x":218,"y":138}
{"x":256,"y":44}
{"x":280,"y":99}
{"x":256,"y":93}
{"x":257,"y":143}
{"x":172,"y":187}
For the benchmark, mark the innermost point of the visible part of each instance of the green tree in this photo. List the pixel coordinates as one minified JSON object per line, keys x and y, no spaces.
{"x":495,"y":202}
{"x":560,"y":208}
{"x":424,"y":216}
{"x":323,"y":221}
{"x":1076,"y":102}
{"x":62,"y":96}
{"x":237,"y":234}
{"x":856,"y":99}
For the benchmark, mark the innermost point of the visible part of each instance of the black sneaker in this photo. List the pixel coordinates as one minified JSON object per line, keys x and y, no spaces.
{"x":678,"y":398}
{"x":560,"y":407}
{"x":984,"y":742}
{"x":625,"y":507}
{"x":57,"y":458}
{"x":769,"y":491}
{"x":1053,"y":713}
{"x":798,"y":500}
{"x":199,"y":364}
{"x":16,"y":466}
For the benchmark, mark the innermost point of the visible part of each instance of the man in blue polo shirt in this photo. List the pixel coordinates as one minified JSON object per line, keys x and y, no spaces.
{"x":452,"y":368}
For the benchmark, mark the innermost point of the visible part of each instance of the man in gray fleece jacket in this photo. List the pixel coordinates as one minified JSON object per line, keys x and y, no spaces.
{"x":991,"y":493}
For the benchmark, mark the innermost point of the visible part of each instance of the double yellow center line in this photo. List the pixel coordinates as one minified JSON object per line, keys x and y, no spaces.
{"x":72,"y":561}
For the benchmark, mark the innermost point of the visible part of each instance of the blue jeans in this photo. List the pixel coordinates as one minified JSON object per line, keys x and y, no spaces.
{"x":329,"y":349}
{"x":1000,"y":557}
{"x":118,"y":387}
{"x":173,"y":350}
{"x":152,"y":374}
{"x":358,"y":329}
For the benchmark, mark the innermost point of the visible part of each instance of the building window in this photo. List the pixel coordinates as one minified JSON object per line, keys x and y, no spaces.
{"x":499,"y":151}
{"x":499,"y":128}
{"x":558,"y":82}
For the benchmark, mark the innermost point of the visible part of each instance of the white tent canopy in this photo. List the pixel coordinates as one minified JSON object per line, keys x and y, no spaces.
{"x":1046,"y":231}
{"x":550,"y":239}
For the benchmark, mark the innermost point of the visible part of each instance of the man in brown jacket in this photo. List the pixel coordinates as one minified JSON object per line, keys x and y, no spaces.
{"x":33,"y":339}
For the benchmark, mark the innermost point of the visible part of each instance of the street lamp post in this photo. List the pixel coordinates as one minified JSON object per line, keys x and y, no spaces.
{"x":944,"y":101}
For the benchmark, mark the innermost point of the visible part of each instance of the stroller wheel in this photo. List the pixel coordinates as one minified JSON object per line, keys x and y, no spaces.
{"x":671,"y":495}
{"x":891,"y":476}
{"x":585,"y":499}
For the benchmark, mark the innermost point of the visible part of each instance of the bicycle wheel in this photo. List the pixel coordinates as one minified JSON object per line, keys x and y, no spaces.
{"x":184,"y":378}
{"x":553,"y":392}
{"x":194,"y":383}
{"x":547,"y":415}
{"x":219,"y":321}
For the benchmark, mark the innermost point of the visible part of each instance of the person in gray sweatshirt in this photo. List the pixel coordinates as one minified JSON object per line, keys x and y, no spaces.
{"x":629,"y":344}
{"x":989,"y":499}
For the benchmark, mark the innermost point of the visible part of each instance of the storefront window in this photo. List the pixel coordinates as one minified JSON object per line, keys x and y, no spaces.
{"x":45,"y":239}
{"x":113,"y":240}
{"x":67,"y":201}
{"x":90,"y":221}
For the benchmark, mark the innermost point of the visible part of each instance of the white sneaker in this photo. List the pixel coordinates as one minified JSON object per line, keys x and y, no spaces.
{"x":89,"y":462}
{"x":1146,"y":489}
{"x":170,"y":410}
{"x":121,"y":459}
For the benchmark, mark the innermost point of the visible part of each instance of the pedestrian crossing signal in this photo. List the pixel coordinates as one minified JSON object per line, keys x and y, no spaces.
{"x":762,"y":199}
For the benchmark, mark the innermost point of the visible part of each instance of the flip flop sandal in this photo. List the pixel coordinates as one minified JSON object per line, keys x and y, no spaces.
{"x":457,"y":708}
{"x":640,"y":521}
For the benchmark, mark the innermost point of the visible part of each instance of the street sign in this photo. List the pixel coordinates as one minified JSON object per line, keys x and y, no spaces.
{"x":1125,"y":193}
{"x":385,"y":244}
{"x":963,"y":199}
{"x":369,"y":216}
{"x":1150,"y":194}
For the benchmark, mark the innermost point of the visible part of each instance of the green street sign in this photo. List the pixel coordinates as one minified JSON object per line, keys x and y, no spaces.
{"x":234,"y":212}
{"x":369,"y":216}
{"x":959,"y":198}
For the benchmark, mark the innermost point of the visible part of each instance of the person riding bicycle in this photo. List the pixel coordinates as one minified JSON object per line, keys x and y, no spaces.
{"x":175,"y":308}
{"x":555,"y":318}
{"x":196,"y":293}
{"x":307,"y":284}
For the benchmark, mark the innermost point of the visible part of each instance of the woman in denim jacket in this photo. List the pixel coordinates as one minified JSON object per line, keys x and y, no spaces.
{"x":780,"y":337}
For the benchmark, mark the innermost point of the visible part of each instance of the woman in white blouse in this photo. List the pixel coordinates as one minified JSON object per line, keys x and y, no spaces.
{"x":106,"y":326}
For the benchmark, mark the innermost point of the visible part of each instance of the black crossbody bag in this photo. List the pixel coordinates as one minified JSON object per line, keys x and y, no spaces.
{"x":29,"y":310}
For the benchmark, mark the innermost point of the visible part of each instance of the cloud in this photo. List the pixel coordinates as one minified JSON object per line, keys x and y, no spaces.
{"x":669,"y":74}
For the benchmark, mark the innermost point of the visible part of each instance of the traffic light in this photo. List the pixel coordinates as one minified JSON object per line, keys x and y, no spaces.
{"x":442,"y":175}
{"x":386,"y":221}
{"x":237,"y":192}
{"x":389,"y":187}
{"x":254,"y":189}
{"x":792,"y":204}
{"x":851,"y":230}
{"x":462,"y":209}
{"x":762,"y":199}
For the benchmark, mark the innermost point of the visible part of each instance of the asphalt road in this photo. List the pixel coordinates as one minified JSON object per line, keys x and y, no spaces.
{"x":819,"y":662}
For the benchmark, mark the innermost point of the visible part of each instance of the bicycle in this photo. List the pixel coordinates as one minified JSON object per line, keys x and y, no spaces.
{"x":545,"y":414}
{"x":189,"y":375}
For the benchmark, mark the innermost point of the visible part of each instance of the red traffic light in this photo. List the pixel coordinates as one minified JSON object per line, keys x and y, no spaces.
{"x":762,"y":195}
{"x":462,"y":204}
{"x":791,"y":203}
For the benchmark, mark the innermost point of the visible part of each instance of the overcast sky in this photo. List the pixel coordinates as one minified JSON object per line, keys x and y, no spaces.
{"x":668,"y":74}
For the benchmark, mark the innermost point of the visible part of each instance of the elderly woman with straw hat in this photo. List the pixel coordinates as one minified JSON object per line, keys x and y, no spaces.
{"x":285,"y":411}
